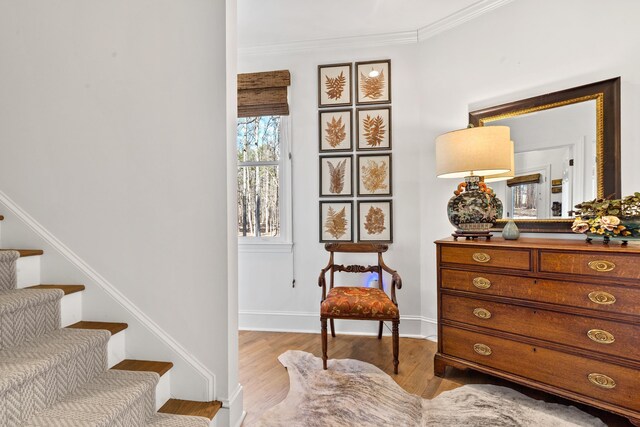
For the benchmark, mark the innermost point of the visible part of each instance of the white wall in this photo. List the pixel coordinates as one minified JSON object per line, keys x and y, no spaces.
{"x":267,"y":298}
{"x":113,"y":136}
{"x":525,"y":48}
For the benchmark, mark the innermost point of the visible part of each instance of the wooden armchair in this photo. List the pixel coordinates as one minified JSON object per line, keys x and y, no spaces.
{"x":359,"y":303}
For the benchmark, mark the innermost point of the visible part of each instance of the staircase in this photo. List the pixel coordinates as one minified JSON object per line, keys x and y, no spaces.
{"x":58,"y":370}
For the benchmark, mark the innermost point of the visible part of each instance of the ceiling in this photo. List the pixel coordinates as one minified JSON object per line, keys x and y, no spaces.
{"x":267,"y":22}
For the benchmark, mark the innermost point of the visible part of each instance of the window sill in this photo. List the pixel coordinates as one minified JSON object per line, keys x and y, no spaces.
{"x":264,"y":247}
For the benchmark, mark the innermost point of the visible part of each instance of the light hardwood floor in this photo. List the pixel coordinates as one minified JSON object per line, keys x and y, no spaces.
{"x":266,"y":382}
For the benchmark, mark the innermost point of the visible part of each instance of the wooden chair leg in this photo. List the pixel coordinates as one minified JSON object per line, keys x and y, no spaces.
{"x":323,"y":323}
{"x":380,"y":330}
{"x":333,"y":328}
{"x":396,"y":344}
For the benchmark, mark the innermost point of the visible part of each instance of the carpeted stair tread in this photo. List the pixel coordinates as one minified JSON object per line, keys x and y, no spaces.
{"x":21,"y":363}
{"x":67,"y":289}
{"x":191,"y":407}
{"x":171,"y":420}
{"x":159,"y":368}
{"x":38,"y":373}
{"x":26,"y":252}
{"x":18,"y":299}
{"x":26,"y":314}
{"x":112,"y":327}
{"x":113,"y":398}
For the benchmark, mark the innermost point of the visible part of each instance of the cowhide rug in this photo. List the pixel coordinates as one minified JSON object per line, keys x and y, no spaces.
{"x":354,"y":393}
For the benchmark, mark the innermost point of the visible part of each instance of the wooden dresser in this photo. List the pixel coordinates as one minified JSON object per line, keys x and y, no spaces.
{"x":561,"y":316}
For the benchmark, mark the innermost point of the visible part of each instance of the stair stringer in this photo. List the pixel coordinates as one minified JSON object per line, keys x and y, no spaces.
{"x":190,"y":380}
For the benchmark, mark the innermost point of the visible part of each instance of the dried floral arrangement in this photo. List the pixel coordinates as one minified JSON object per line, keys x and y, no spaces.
{"x":374,"y":130}
{"x":336,"y":133}
{"x":619,"y":218}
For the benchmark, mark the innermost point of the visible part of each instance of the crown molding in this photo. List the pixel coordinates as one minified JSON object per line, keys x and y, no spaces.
{"x":354,"y":42}
{"x":460,"y":17}
{"x":375,"y":40}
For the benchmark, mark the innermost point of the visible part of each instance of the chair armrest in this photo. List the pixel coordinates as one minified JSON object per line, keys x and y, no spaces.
{"x":322,"y":282}
{"x":396,"y":280}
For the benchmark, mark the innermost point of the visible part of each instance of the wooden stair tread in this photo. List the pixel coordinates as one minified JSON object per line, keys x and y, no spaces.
{"x":26,"y":252}
{"x":191,"y":407}
{"x":160,"y":368}
{"x":67,"y":289}
{"x":112,"y":327}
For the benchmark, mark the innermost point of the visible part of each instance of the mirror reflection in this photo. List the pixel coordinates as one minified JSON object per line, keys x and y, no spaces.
{"x":555,"y":162}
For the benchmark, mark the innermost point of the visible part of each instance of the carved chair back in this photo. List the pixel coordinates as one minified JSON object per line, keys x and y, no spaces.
{"x":333,"y":268}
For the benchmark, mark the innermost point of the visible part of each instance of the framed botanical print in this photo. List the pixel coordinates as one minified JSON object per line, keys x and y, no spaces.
{"x":375,"y":221}
{"x":334,"y":85}
{"x":336,"y":176}
{"x":335,"y":130}
{"x":374,"y":174}
{"x":336,"y":221}
{"x":373,"y":82}
{"x":374,"y":128}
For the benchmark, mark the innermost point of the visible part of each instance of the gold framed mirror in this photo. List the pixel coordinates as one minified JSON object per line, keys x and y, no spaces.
{"x":567,"y":150}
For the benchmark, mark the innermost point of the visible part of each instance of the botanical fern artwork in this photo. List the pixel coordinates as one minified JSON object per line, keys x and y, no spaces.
{"x":372,"y":86}
{"x":334,"y":86}
{"x":374,"y":130}
{"x":374,"y":221}
{"x":336,"y":222}
{"x":335,"y":132}
{"x":336,"y":176}
{"x":374,"y":176}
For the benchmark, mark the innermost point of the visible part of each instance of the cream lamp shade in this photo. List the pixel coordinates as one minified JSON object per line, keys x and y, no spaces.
{"x":482,"y":151}
{"x":506,"y":175}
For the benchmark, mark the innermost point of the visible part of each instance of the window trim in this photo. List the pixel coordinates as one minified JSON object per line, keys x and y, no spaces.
{"x":284,"y":242}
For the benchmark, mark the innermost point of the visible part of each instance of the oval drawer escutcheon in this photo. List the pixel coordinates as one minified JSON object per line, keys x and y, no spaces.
{"x":602,"y":298}
{"x":601,"y":266}
{"x":482,"y":349}
{"x":481,"y":257}
{"x":600,"y":336}
{"x":482,"y":313}
{"x":602,"y":380}
{"x":481,"y":283}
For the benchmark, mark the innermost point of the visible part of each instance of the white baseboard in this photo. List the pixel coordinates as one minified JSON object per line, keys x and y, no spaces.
{"x":290,"y":321}
{"x":232,"y":413}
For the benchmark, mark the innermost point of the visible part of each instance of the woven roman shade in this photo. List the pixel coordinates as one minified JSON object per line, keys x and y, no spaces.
{"x":524,"y":179}
{"x":263,"y":94}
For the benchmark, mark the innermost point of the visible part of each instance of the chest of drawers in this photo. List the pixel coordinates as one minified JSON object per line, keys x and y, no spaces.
{"x":562,"y":316}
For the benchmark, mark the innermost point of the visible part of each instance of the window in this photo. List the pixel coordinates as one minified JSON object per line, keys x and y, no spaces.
{"x":525,"y":201}
{"x":263,"y":190}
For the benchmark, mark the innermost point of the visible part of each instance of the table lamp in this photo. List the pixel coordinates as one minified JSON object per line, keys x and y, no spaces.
{"x":473,"y":153}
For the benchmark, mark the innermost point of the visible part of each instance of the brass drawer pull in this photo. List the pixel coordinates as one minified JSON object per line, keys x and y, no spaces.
{"x":602,"y":380}
{"x":481,"y":283}
{"x":482,"y":313}
{"x":481,"y":257}
{"x":482,"y":349}
{"x":600,"y":336}
{"x":602,"y":298}
{"x":601,"y":266}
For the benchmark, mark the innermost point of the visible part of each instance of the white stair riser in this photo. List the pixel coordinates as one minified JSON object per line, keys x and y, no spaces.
{"x":116,"y":349}
{"x":163,"y":390}
{"x":28,"y":269}
{"x":71,"y":309}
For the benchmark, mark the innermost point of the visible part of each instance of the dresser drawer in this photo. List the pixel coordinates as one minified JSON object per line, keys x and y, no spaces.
{"x":614,"y":299}
{"x":596,"y":335}
{"x":597,"y":264}
{"x":482,"y":256}
{"x":604,"y":381}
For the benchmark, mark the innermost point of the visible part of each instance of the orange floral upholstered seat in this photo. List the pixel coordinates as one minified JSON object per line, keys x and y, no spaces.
{"x":358,"y":302}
